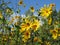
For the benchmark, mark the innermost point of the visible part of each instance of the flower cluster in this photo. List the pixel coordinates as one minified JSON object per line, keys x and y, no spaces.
{"x":42,"y":28}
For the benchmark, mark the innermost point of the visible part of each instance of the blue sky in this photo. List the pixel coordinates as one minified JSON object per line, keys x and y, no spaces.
{"x":33,"y":3}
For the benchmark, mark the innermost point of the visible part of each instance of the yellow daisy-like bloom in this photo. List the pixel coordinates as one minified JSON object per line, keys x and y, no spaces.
{"x":59,"y":32}
{"x":26,"y":25}
{"x":32,"y":9}
{"x":12,"y":29}
{"x":37,"y":39}
{"x":12,"y":33}
{"x":54,"y":33}
{"x":10,"y":22}
{"x":9,"y":11}
{"x":4,"y":37}
{"x":20,"y":3}
{"x":52,"y":5}
{"x":23,"y":27}
{"x":24,"y":40}
{"x":35,"y":25}
{"x":59,"y":35}
{"x":25,"y":18}
{"x":26,"y":35}
{"x":17,"y":23}
{"x":45,"y":11}
{"x":48,"y":43}
{"x":56,"y":22}
{"x":17,"y":17}
{"x":21,"y":30}
{"x":1,"y":15}
{"x":49,"y":21}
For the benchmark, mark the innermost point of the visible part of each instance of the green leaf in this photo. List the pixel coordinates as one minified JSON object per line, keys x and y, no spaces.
{"x":59,"y":25}
{"x":1,"y":22}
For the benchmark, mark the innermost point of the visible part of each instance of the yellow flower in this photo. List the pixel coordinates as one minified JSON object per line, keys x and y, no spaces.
{"x":52,"y":5}
{"x":12,"y":33}
{"x":10,"y":22}
{"x":48,"y":43}
{"x":49,"y":21}
{"x":21,"y":30}
{"x":59,"y":35}
{"x":17,"y":17}
{"x":10,"y":37}
{"x":56,"y":22}
{"x":20,"y":3}
{"x":36,"y":39}
{"x":45,"y":11}
{"x":1,"y":16}
{"x":17,"y":23}
{"x":12,"y":19}
{"x":26,"y":25}
{"x":59,"y":32}
{"x":12,"y":29}
{"x":4,"y":38}
{"x":23,"y":27}
{"x":24,"y":40}
{"x":26,"y":35}
{"x":54,"y":33}
{"x":8,"y":11}
{"x":58,"y":29}
{"x":35,"y":25}
{"x":32,"y":9}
